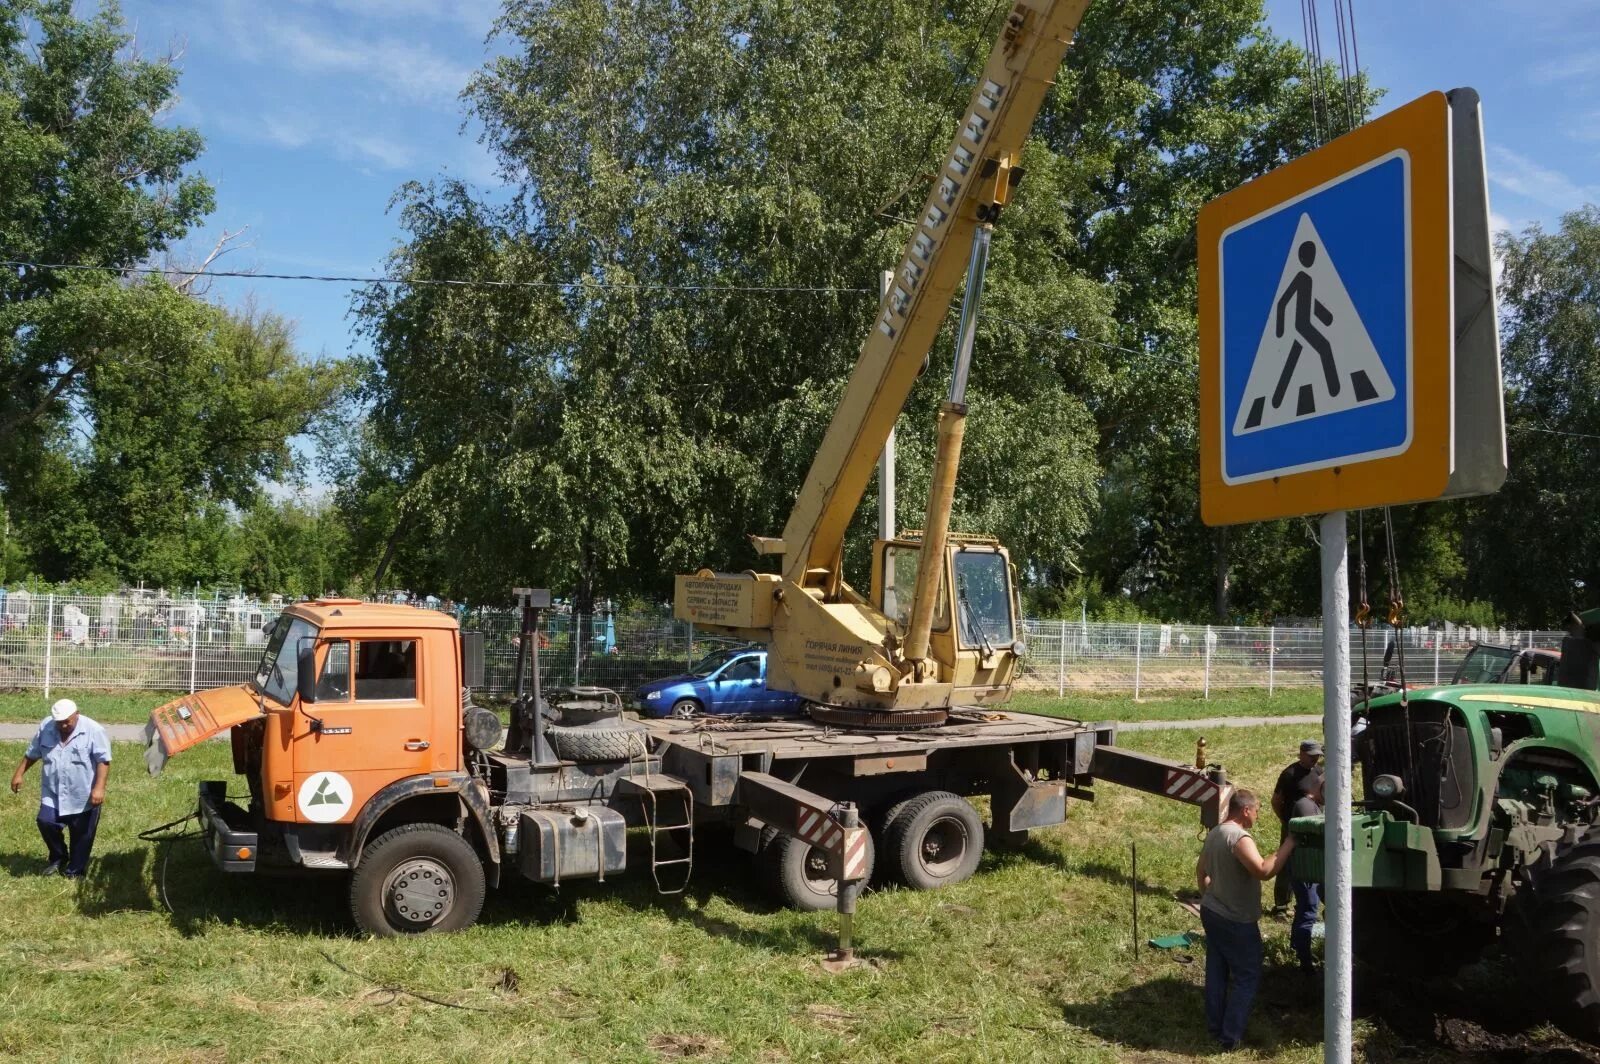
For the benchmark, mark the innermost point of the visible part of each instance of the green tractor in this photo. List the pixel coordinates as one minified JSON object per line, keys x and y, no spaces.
{"x":1476,"y":823}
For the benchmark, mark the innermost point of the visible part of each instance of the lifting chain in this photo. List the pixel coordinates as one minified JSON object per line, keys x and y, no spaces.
{"x":1397,"y":604}
{"x":1364,"y":609}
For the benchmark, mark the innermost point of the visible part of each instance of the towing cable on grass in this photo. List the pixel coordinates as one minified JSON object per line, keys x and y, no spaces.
{"x":165,"y":835}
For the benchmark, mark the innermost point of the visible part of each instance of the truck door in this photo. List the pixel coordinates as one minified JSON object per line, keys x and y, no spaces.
{"x":374,"y":727}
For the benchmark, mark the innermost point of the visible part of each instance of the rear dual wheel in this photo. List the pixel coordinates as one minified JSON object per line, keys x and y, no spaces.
{"x":797,"y":873}
{"x":932,"y":840}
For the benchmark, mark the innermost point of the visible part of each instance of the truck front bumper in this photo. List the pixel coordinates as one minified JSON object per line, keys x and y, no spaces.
{"x":1389,"y":854}
{"x":225,"y":827}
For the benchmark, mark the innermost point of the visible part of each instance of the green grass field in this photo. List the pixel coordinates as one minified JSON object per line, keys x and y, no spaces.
{"x":1029,"y":960}
{"x":133,"y":707}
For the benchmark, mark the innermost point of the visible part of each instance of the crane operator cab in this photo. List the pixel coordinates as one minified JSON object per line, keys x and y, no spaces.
{"x":979,"y":639}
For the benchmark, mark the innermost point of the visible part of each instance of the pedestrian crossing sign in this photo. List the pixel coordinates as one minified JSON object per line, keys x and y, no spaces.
{"x":1331,"y":292}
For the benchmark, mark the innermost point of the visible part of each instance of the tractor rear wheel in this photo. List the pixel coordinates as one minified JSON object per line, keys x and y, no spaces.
{"x":417,"y":878}
{"x":1564,"y":941}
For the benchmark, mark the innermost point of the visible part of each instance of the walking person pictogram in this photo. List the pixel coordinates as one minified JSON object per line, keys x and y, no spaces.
{"x":1306,"y":305}
{"x":1310,"y":311}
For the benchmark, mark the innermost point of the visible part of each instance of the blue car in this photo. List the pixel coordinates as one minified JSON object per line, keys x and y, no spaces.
{"x":726,"y":682}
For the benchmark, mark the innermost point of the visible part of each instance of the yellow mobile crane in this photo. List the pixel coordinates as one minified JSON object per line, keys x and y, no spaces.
{"x":894,"y":660}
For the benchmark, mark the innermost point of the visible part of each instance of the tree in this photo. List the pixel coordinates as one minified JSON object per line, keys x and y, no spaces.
{"x":1534,"y":548}
{"x":88,"y":178}
{"x":681,"y":165}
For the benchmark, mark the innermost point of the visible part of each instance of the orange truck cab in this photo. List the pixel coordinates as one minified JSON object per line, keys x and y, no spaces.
{"x":350,"y":730}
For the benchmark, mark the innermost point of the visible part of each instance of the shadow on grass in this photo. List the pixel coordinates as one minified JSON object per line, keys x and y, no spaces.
{"x":179,"y":877}
{"x":18,"y":865}
{"x":1167,"y":1014}
{"x":117,"y":883}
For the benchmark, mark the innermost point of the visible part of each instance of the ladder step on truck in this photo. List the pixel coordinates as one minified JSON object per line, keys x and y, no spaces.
{"x":660,"y":796}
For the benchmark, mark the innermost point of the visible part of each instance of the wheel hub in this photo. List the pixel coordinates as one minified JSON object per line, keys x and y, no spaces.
{"x":419,"y":892}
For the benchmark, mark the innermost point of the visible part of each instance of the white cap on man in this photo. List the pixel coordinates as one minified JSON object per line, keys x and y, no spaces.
{"x":64,"y":709}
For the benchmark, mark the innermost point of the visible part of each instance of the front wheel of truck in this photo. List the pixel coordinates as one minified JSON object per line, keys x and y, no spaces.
{"x":417,"y":878}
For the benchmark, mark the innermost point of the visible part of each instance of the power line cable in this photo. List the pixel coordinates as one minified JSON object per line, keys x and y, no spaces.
{"x":439,"y":282}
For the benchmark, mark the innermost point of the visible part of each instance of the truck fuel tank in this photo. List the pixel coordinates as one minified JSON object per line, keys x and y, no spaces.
{"x":571,"y":842}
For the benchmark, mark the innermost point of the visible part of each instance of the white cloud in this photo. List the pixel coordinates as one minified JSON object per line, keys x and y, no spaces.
{"x":287,"y":132}
{"x":1549,"y":188}
{"x":390,"y":154}
{"x":366,"y":63}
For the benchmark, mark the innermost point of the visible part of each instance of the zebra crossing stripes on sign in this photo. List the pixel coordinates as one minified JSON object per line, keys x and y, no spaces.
{"x":1187,"y":786}
{"x":819,"y":830}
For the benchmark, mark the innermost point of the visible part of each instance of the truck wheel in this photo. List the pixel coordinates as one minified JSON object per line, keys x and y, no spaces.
{"x":933,"y":840}
{"x":416,"y":878}
{"x":796,"y":872}
{"x":612,"y":739}
{"x":1564,"y":941}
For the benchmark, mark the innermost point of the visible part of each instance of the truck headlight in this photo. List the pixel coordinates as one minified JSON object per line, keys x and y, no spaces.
{"x":1388,"y":787}
{"x":652,"y":696}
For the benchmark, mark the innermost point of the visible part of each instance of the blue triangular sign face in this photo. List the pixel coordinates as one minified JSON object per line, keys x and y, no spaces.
{"x":1315,"y":356}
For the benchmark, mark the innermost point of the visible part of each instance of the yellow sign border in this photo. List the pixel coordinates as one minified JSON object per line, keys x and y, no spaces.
{"x":1422,"y":471}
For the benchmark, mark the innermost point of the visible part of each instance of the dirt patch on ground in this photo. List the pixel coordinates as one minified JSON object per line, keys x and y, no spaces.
{"x":1463,"y":1020}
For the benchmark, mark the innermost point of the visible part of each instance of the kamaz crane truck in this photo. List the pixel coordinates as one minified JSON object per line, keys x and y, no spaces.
{"x":364,"y":756}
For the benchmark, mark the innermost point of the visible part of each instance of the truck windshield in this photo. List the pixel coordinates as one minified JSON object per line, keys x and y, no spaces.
{"x":712,"y":662}
{"x":983,"y":599}
{"x":279,"y":670}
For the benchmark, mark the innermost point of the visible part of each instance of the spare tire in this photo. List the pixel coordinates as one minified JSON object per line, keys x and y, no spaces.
{"x":613,"y":739}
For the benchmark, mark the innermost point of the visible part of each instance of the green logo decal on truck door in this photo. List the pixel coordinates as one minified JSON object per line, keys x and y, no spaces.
{"x":325,"y":797}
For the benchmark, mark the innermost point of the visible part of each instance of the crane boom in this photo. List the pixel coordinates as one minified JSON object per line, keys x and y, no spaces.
{"x":975,"y":179}
{"x":865,"y":662}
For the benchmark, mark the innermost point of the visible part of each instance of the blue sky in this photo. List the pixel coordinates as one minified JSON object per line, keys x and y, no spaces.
{"x":315,"y":111}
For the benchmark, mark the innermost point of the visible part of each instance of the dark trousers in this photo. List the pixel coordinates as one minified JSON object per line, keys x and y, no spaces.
{"x":75,"y":858}
{"x":1307,"y":899}
{"x":1233,"y":972}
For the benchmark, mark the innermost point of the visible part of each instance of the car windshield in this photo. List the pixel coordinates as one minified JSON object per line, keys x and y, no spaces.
{"x":712,"y":662}
{"x":279,"y":670}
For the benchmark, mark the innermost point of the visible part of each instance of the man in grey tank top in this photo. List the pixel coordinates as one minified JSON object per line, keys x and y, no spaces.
{"x":1230,"y":871}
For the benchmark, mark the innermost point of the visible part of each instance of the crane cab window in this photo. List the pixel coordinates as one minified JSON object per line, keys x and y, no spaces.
{"x":983,"y":599}
{"x":386,"y":670}
{"x":899,"y":588}
{"x":333,"y":684}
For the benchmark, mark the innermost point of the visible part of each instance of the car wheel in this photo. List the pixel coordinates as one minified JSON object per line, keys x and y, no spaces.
{"x":685,"y":709}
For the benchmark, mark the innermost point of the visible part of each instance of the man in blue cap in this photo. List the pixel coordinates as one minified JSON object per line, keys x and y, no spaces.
{"x":77,"y":758}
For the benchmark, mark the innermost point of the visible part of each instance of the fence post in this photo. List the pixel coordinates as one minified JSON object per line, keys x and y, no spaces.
{"x":49,"y":640}
{"x":577,"y":646}
{"x":1272,"y":658}
{"x":688,"y":650}
{"x":1436,"y":661}
{"x":1208,"y":663}
{"x":1138,"y":655}
{"x":1061,"y":655}
{"x":194,"y":649}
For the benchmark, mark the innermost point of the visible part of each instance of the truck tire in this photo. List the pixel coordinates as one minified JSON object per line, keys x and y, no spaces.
{"x":614,"y":739}
{"x":796,"y":873}
{"x":933,"y":840}
{"x":1564,"y":941}
{"x":417,"y":878}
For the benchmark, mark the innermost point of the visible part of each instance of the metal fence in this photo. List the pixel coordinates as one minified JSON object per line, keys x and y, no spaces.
{"x":1089,"y":656}
{"x":158,"y":643}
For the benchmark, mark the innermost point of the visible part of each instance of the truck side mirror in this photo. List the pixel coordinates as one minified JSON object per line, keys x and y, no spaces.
{"x":306,"y":679}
